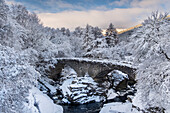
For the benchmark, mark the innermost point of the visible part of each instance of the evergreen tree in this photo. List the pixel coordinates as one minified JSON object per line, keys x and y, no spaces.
{"x":68,"y":32}
{"x":78,"y":32}
{"x":63,"y":30}
{"x":111,"y":36}
{"x":97,"y":32}
{"x":88,"y":39}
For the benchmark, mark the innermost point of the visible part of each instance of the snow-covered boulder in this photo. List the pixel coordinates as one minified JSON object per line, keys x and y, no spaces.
{"x":81,"y":90}
{"x":118,"y":107}
{"x":118,"y":79}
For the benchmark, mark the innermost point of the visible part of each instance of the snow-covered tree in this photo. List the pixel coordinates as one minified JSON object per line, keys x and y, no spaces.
{"x":97,"y":32}
{"x":16,"y":78}
{"x":78,"y":32}
{"x":20,"y":14}
{"x":88,"y":38}
{"x":68,"y":32}
{"x":153,"y":55}
{"x":3,"y":11}
{"x":5,"y":28}
{"x":76,"y":45}
{"x":111,"y":35}
{"x":63,"y":30}
{"x":31,"y":23}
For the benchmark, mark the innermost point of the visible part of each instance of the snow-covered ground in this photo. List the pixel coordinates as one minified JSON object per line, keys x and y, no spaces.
{"x":118,"y":107}
{"x":41,"y":103}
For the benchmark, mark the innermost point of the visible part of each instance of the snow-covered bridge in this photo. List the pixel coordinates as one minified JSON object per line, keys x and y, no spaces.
{"x":97,"y":69}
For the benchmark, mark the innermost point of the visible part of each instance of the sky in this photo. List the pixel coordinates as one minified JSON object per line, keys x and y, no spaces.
{"x":74,"y":13}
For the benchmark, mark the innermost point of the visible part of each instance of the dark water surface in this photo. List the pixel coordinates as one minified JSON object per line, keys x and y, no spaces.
{"x":83,"y":108}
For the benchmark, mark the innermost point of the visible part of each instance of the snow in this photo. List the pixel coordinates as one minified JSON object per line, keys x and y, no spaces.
{"x":136,"y":101}
{"x":117,"y":107}
{"x":111,"y":94}
{"x":44,"y":103}
{"x":65,"y":85}
{"x":69,"y":72}
{"x":121,"y":73}
{"x":167,"y":110}
{"x":78,"y":85}
{"x":79,"y":89}
{"x":79,"y":95}
{"x":117,"y":76}
{"x":52,"y":89}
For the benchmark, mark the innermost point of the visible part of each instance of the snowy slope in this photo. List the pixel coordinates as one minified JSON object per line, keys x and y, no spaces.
{"x":41,"y":103}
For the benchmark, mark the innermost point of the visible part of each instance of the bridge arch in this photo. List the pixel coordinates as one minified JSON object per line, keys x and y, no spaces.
{"x":97,"y":69}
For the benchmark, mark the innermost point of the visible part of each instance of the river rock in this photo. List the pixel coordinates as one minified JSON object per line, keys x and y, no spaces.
{"x":81,"y":90}
{"x":118,"y":79}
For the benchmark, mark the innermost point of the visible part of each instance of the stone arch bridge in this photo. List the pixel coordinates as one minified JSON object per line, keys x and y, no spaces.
{"x":97,"y":69}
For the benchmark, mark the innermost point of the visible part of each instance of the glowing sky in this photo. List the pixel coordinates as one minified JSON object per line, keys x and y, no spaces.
{"x":73,"y":13}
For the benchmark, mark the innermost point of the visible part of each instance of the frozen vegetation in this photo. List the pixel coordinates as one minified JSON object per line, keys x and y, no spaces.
{"x":28,"y":50}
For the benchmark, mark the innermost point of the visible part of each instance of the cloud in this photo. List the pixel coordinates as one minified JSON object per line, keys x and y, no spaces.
{"x":153,"y":4}
{"x":101,"y":8}
{"x":145,"y":3}
{"x":71,"y":19}
{"x":101,"y":16}
{"x":120,"y":2}
{"x":78,"y":14}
